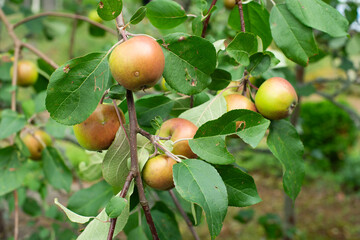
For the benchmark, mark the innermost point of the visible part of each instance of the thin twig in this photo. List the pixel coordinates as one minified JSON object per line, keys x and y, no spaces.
{"x":206,"y":22}
{"x":241,"y":13}
{"x":120,"y":120}
{"x":184,"y":215}
{"x":16,"y":218}
{"x":40,"y":54}
{"x":65,"y":15}
{"x":73,"y":31}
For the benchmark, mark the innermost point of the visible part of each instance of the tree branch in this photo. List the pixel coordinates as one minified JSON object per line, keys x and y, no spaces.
{"x":206,"y":22}
{"x":241,"y":13}
{"x":65,"y":15}
{"x":184,"y":215}
{"x":40,"y":54}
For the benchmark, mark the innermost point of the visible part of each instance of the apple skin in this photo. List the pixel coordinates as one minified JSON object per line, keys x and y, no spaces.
{"x":229,"y":4}
{"x":98,"y":131}
{"x":27,"y":73}
{"x":179,"y":128}
{"x":35,"y":143}
{"x":158,"y":172}
{"x":238,"y":101}
{"x":276,"y":98}
{"x":138,"y":63}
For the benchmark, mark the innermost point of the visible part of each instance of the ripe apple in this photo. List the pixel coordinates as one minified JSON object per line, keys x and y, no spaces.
{"x":276,"y":98}
{"x":98,"y":131}
{"x":27,"y":73}
{"x":36,"y":141}
{"x":179,"y":128}
{"x":158,"y":172}
{"x":238,"y":101}
{"x":229,"y":4}
{"x":93,"y":15}
{"x":138,"y":63}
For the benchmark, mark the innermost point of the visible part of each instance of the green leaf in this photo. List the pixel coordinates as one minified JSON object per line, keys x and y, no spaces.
{"x":115,"y":207}
{"x":242,"y":46}
{"x":11,"y":172}
{"x":200,"y":183}
{"x":88,"y":201}
{"x":150,"y":106}
{"x":138,"y":16}
{"x":11,"y":122}
{"x":319,"y":15}
{"x":209,"y":141}
{"x":284,"y":142}
{"x":56,"y":172}
{"x":137,"y":234}
{"x":76,"y":87}
{"x":115,"y":168}
{"x":220,"y":79}
{"x":74,"y":217}
{"x":165,"y":14}
{"x":256,"y":21}
{"x":99,"y":227}
{"x":295,"y":40}
{"x":109,"y":9}
{"x":117,"y":92}
{"x":259,"y":63}
{"x":240,"y":186}
{"x":189,"y":62}
{"x":207,"y":111}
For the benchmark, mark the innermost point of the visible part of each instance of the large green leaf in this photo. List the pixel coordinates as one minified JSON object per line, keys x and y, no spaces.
{"x":109,"y":9}
{"x":284,"y":142}
{"x":11,"y":122}
{"x":256,"y":21}
{"x":295,"y":40}
{"x":207,"y":111}
{"x":259,"y":63}
{"x":12,"y":173}
{"x":165,"y":14}
{"x":115,"y":164}
{"x":209,"y":141}
{"x":56,"y":172}
{"x":319,"y":15}
{"x":240,"y":186}
{"x":88,"y":201}
{"x":242,"y":47}
{"x":76,"y":87}
{"x":200,"y":183}
{"x":189,"y":62}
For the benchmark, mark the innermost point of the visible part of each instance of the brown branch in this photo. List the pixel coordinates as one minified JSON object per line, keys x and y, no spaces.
{"x":40,"y":54}
{"x":16,"y":217}
{"x":65,"y":15}
{"x":241,"y":13}
{"x":184,"y":215}
{"x":120,"y":120}
{"x":206,"y":22}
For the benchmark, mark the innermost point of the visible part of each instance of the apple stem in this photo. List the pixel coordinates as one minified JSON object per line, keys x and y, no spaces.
{"x":206,"y":22}
{"x":183,"y":214}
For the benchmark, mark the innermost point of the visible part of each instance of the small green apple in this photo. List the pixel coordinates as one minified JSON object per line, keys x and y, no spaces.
{"x":36,"y":142}
{"x":27,"y":73}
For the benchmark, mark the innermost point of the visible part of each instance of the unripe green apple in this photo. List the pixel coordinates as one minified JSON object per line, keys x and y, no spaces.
{"x":36,"y":142}
{"x":27,"y":73}
{"x":158,"y":172}
{"x":93,"y":15}
{"x":138,"y":63}
{"x":98,"y":131}
{"x":229,"y":4}
{"x":238,"y":101}
{"x":276,"y":98}
{"x":179,"y":128}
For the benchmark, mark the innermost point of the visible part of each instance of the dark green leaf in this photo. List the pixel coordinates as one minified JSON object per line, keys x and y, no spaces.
{"x":220,"y":79}
{"x":117,"y":92}
{"x":56,"y":172}
{"x":284,"y":142}
{"x":319,"y":15}
{"x":295,"y":40}
{"x":243,"y":45}
{"x":192,"y":181}
{"x":240,"y":186}
{"x":138,"y":16}
{"x":76,"y":87}
{"x":31,"y":207}
{"x":109,"y":9}
{"x":11,"y":172}
{"x":245,"y":216}
{"x":256,"y":21}
{"x":44,"y":66}
{"x":115,"y":207}
{"x":165,"y":14}
{"x":88,"y":201}
{"x":11,"y":122}
{"x":189,"y":62}
{"x":259,"y":63}
{"x":137,"y":234}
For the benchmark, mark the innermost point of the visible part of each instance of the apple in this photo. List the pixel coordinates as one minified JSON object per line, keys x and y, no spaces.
{"x":238,"y":101}
{"x":276,"y":98}
{"x":98,"y":131}
{"x":27,"y":73}
{"x":158,"y":173}
{"x":179,"y":128}
{"x":138,"y":63}
{"x":93,"y":15}
{"x":36,"y":142}
{"x":229,"y":4}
